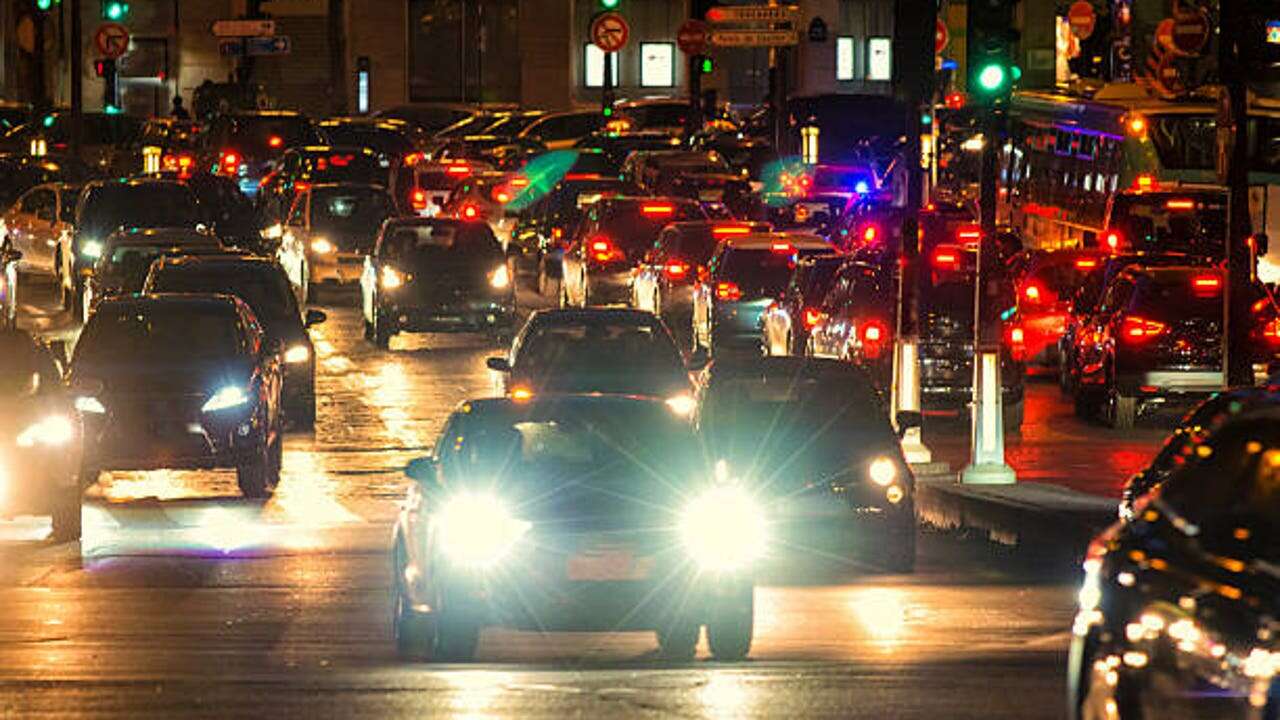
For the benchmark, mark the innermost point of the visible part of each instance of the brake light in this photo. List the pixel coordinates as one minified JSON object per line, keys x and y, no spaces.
{"x":676,"y":270}
{"x":946,"y":258}
{"x":519,"y":182}
{"x":1113,"y":240}
{"x":341,"y":160}
{"x":603,"y":250}
{"x":1086,"y":264}
{"x":1181,"y":204}
{"x":418,"y":200}
{"x":501,"y":196}
{"x":783,"y":248}
{"x":230,"y":161}
{"x":874,"y":334}
{"x":969,"y":234}
{"x":470,"y":212}
{"x":811,"y":317}
{"x":275,"y":141}
{"x":657,"y":209}
{"x":728,"y":291}
{"x":302,"y":186}
{"x":1137,"y":329}
{"x":458,"y":170}
{"x":723,"y":230}
{"x":412,"y":158}
{"x":1032,"y":293}
{"x":1017,"y":343}
{"x":557,"y":233}
{"x":584,"y":176}
{"x":1271,"y":332}
{"x":869,"y":233}
{"x":1145,"y":182}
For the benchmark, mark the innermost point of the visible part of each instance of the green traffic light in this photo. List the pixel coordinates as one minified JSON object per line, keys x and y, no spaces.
{"x":608,"y":112}
{"x":44,"y":4}
{"x":112,"y":110}
{"x":115,"y":10}
{"x":707,"y":65}
{"x":992,"y":78}
{"x":609,"y":4}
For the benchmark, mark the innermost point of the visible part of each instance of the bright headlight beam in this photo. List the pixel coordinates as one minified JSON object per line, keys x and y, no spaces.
{"x":882,"y":471}
{"x":53,"y":430}
{"x":681,"y":405}
{"x":92,"y":249}
{"x":297,"y":354}
{"x":391,"y":278}
{"x":89,"y":404}
{"x":321,"y":246}
{"x":477,"y":529}
{"x":226,"y":397}
{"x":724,"y":529}
{"x":500,"y":278}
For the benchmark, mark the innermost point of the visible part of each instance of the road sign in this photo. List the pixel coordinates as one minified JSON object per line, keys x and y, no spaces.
{"x":1191,"y":32}
{"x":231,"y":47}
{"x":244,"y":28}
{"x":941,"y":37}
{"x":1169,"y":78}
{"x":609,"y":31}
{"x":1164,"y":36}
{"x":1082,"y":19}
{"x":754,"y":14}
{"x":753,"y":38}
{"x":277,"y":45}
{"x":692,"y":37}
{"x":112,"y":40}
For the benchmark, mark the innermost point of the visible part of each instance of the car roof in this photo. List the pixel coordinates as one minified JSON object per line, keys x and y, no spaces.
{"x":765,"y":241}
{"x":143,"y":302}
{"x":143,"y":236}
{"x":585,"y":316}
{"x":486,"y":406}
{"x":228,"y":258}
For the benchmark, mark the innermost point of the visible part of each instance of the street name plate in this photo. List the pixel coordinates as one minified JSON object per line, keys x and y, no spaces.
{"x":753,"y":38}
{"x":754,"y":13}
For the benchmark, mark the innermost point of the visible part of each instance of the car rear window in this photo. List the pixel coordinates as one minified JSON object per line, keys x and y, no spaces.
{"x":1174,"y":296}
{"x":343,"y":166}
{"x":148,"y":205}
{"x":350,"y":212}
{"x":256,"y":135}
{"x":264,"y":288}
{"x":761,"y":272}
{"x":176,"y":332}
{"x":597,"y":346}
{"x":634,"y":226}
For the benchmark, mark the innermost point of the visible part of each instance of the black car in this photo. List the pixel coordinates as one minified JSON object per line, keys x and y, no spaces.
{"x":23,"y":172}
{"x":180,"y":382}
{"x":244,"y":145}
{"x":547,"y":223}
{"x":573,"y":513}
{"x":303,"y":167}
{"x":224,"y":210}
{"x":596,"y":350}
{"x":785,"y":325}
{"x":703,"y":176}
{"x":389,"y":137}
{"x":814,"y":441}
{"x":262,"y":284}
{"x":429,"y":275}
{"x":40,"y":437}
{"x":1177,"y":609}
{"x":108,"y":205}
{"x":127,"y":256}
{"x":617,"y":146}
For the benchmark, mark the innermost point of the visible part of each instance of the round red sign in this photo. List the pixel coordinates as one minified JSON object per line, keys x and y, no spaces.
{"x":112,"y":40}
{"x":609,"y":32}
{"x":692,"y":37}
{"x":940,"y":37}
{"x":1164,"y":35}
{"x":1082,"y":19}
{"x":1191,"y":32}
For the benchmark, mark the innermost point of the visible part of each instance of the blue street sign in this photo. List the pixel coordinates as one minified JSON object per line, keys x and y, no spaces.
{"x":275,"y":45}
{"x":230,"y":48}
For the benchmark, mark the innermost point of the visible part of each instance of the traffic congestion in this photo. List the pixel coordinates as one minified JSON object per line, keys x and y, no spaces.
{"x":628,"y":373}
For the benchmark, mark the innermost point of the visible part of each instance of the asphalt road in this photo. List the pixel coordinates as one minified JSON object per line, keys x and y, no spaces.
{"x":185,"y":600}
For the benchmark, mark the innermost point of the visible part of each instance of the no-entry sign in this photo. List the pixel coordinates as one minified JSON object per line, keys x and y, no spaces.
{"x":112,"y":40}
{"x":1191,"y":32}
{"x":1082,"y":19}
{"x":940,"y":37}
{"x":692,"y":37}
{"x":609,"y":32}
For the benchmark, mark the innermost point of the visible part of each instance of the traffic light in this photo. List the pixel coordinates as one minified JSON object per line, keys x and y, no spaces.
{"x":114,"y":10}
{"x":46,"y":5}
{"x":707,"y":65}
{"x":992,"y":44}
{"x":609,"y":4}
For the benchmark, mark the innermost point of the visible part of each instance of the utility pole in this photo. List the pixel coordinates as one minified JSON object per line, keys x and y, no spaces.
{"x":913,"y":39}
{"x":1233,"y":171}
{"x":77,"y":77}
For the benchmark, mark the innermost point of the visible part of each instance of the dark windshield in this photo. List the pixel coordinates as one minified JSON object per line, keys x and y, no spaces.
{"x":761,"y":272}
{"x":634,"y":226}
{"x":1174,"y":296}
{"x":181,"y":331}
{"x":145,"y":205}
{"x":263,"y":287}
{"x":344,"y":166}
{"x":350,"y":212}
{"x":1188,"y":223}
{"x":130,"y":263}
{"x":431,"y":243}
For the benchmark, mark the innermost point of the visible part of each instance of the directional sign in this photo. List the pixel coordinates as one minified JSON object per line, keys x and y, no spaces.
{"x":609,"y":31}
{"x":112,"y":40}
{"x":692,"y":37}
{"x":244,"y":28}
{"x":754,"y":14}
{"x":277,"y":45}
{"x":753,"y":38}
{"x":233,"y":47}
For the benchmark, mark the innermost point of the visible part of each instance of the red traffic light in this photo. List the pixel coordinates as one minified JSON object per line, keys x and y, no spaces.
{"x":955,"y":100}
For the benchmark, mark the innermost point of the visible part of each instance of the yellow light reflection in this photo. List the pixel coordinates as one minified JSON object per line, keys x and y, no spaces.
{"x":476,"y":691}
{"x":883,"y":614}
{"x":726,"y":696}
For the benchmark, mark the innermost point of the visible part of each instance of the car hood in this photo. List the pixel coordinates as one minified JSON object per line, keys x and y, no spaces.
{"x":164,"y":378}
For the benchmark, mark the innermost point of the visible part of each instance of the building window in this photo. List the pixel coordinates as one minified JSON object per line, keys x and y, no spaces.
{"x":879,"y":58}
{"x":593,"y":66}
{"x":657,"y":64}
{"x":844,"y":58}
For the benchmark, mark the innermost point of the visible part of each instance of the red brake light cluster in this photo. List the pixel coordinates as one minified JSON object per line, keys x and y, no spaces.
{"x":418,"y":200}
{"x":1181,"y":204}
{"x":603,"y":250}
{"x":946,"y":257}
{"x":275,"y":141}
{"x":1017,"y":343}
{"x":1138,"y":329}
{"x":657,"y":209}
{"x":230,"y":162}
{"x":875,"y":335}
{"x":783,"y":248}
{"x":469,"y":212}
{"x":724,"y":230}
{"x":676,"y":270}
{"x":458,"y":170}
{"x":728,"y":291}
{"x":1086,"y":264}
{"x":1206,"y":285}
{"x":869,"y":234}
{"x":1145,"y":182}
{"x":811,"y":317}
{"x":1271,"y":332}
{"x":1112,"y":239}
{"x":1032,"y":293}
{"x":969,"y":234}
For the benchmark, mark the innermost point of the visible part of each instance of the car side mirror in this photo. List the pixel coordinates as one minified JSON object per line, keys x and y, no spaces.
{"x":314,"y":317}
{"x":498,"y":364}
{"x":698,"y":360}
{"x":422,"y":470}
{"x":908,"y":419}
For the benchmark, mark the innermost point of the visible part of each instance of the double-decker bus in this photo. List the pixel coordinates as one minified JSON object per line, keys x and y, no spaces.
{"x":1072,"y":165}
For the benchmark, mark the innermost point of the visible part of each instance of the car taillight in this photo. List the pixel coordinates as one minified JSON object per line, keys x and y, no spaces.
{"x":1145,"y":182}
{"x":1206,"y":285}
{"x":728,"y":291}
{"x":870,"y":233}
{"x":1180,"y":204}
{"x":230,"y":162}
{"x":1271,"y":332}
{"x":874,"y":337}
{"x":946,"y":258}
{"x":603,"y":250}
{"x":275,"y":141}
{"x":469,"y":212}
{"x":1017,"y":343}
{"x":783,"y":248}
{"x":969,"y":234}
{"x":418,"y":200}
{"x":811,"y":317}
{"x":1138,"y":329}
{"x":458,"y":170}
{"x":501,"y":196}
{"x":1112,"y":240}
{"x":657,"y":209}
{"x":1086,"y":264}
{"x":724,"y":230}
{"x":676,"y":270}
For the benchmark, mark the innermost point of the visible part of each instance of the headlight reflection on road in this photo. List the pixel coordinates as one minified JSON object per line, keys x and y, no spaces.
{"x":882,"y":613}
{"x":475,"y":692}
{"x":726,"y":695}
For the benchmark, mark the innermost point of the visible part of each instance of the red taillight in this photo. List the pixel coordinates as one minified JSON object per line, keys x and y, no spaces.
{"x":657,"y":209}
{"x":458,"y":170}
{"x":1018,"y":343}
{"x":275,"y":141}
{"x":519,"y":182}
{"x":676,"y":270}
{"x":413,"y":158}
{"x":302,"y":186}
{"x":470,"y":212}
{"x":874,"y":336}
{"x":1145,"y":182}
{"x":728,"y":291}
{"x":811,"y":317}
{"x":584,"y":176}
{"x":1137,"y":329}
{"x":969,"y":234}
{"x":603,"y":250}
{"x":1086,"y":264}
{"x":946,"y":258}
{"x":783,"y":248}
{"x":230,"y":162}
{"x":1113,"y":240}
{"x":1206,"y":284}
{"x":1271,"y":332}
{"x":869,"y":233}
{"x":724,"y":230}
{"x":1181,"y":204}
{"x":1032,"y":293}
{"x":418,"y":200}
{"x":501,"y":196}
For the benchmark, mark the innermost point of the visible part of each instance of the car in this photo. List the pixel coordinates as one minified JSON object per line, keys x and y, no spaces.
{"x":436,"y":275}
{"x":559,"y":131}
{"x":1191,"y":219}
{"x":301,"y":167}
{"x":500,"y":151}
{"x":429,"y":117}
{"x":573,"y":513}
{"x":9,"y":286}
{"x":814,"y":440}
{"x":492,"y":198}
{"x":36,"y":222}
{"x":226,"y":211}
{"x":23,"y":172}
{"x":814,"y":197}
{"x":262,"y":284}
{"x":700,"y":175}
{"x":1156,"y":339}
{"x":1177,"y":605}
{"x":172,"y":142}
{"x":656,"y":114}
{"x":108,"y":144}
{"x":422,"y":187}
{"x":245,"y":145}
{"x":126,"y":256}
{"x":745,"y":274}
{"x":1044,"y":298}
{"x":108,"y":205}
{"x":389,"y":137}
{"x":786,"y":323}
{"x":856,"y":319}
{"x":664,"y":277}
{"x":601,"y":350}
{"x":610,"y":239}
{"x":616,"y":146}
{"x":40,"y":436}
{"x":180,"y":382}
{"x":328,"y":234}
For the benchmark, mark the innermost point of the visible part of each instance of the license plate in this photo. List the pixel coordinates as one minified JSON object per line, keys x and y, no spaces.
{"x":710,"y":195}
{"x":609,"y":565}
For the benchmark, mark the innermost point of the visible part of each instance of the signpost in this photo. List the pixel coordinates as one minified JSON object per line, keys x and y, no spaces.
{"x":692,"y":37}
{"x":244,"y":28}
{"x":609,"y":31}
{"x":112,"y":40}
{"x":1190,"y":32}
{"x":1082,"y":19}
{"x":277,"y":45}
{"x":753,"y":38}
{"x":789,"y":14}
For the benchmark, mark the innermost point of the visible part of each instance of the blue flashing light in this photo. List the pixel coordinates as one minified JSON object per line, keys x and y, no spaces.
{"x":861,"y":188}
{"x":950,"y":64}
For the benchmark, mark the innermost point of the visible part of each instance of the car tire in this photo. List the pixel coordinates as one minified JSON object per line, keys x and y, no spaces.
{"x":255,"y":477}
{"x":1124,"y":411}
{"x":564,"y":296}
{"x":413,"y":631}
{"x":381,"y":333}
{"x":456,"y":631}
{"x":66,"y":520}
{"x":1085,"y":404}
{"x":679,"y":641}
{"x":731,"y":628}
{"x":899,"y":555}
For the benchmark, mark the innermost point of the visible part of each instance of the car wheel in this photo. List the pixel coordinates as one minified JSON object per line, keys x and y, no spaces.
{"x":1122,"y":410}
{"x":66,"y":518}
{"x":456,"y":633}
{"x":731,"y":627}
{"x":381,"y":333}
{"x":258,"y":477}
{"x":412,"y":630}
{"x":899,"y":555}
{"x":679,"y":640}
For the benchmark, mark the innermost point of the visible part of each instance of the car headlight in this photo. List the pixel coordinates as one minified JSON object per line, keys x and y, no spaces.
{"x":724,"y":529}
{"x":682,"y":405}
{"x":883,"y":471}
{"x":297,"y":354}
{"x":321,"y":246}
{"x":391,"y":278}
{"x":275,"y":232}
{"x":477,"y":529}
{"x":500,"y":278}
{"x":90,"y":404}
{"x":92,"y":249}
{"x":226,"y":397}
{"x":53,"y":430}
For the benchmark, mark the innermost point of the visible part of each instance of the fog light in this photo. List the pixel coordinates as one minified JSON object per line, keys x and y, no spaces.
{"x":894,"y":494}
{"x":244,"y":429}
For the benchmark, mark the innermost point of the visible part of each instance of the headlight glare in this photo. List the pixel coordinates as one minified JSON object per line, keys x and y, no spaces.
{"x":682,"y":404}
{"x":53,"y":430}
{"x":91,"y":249}
{"x":226,"y":397}
{"x":724,"y":529}
{"x":500,"y":277}
{"x":89,"y":404}
{"x":391,"y":278}
{"x":297,"y":354}
{"x":477,"y":529}
{"x":321,"y":246}
{"x":883,"y":471}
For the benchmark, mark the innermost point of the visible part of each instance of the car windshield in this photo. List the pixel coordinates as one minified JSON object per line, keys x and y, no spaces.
{"x":760,"y":273}
{"x":1190,"y":223}
{"x":598,"y":356}
{"x":144,"y":205}
{"x":432,"y":243}
{"x":263,"y":287}
{"x":1180,"y":295}
{"x":130,"y":263}
{"x":129,"y":333}
{"x":354,"y":213}
{"x":344,"y":166}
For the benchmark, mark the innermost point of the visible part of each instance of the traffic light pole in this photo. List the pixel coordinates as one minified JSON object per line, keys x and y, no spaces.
{"x":77,"y":77}
{"x":1233,"y":154}
{"x":986,"y":459}
{"x":606,"y":91}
